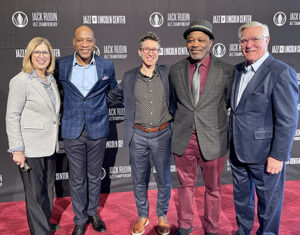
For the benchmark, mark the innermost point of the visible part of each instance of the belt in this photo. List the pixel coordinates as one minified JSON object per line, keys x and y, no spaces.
{"x":162,"y":126}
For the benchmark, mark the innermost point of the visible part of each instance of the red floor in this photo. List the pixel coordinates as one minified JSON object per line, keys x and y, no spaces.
{"x":119,"y":213}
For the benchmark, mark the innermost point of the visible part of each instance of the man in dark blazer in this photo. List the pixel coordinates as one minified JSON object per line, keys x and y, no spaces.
{"x":202,"y":86}
{"x":149,"y":109}
{"x":263,"y":121}
{"x":86,"y":79}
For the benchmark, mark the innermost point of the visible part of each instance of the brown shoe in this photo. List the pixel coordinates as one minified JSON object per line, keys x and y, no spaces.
{"x":163,"y":225}
{"x":139,"y":227}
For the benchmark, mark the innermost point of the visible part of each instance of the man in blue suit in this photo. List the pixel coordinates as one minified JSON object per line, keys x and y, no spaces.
{"x":263,"y":121}
{"x":86,"y":79}
{"x":149,"y":109}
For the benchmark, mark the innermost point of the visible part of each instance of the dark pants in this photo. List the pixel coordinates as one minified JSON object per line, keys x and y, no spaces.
{"x":85,"y":158}
{"x":158,"y":144}
{"x":187,"y":168}
{"x":248,"y":178}
{"x":38,"y":187}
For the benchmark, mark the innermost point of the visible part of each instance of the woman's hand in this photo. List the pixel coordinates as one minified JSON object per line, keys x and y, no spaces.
{"x":19,"y":158}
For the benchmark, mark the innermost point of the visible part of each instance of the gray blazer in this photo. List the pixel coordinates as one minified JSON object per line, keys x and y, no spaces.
{"x":31,"y":121}
{"x":209,"y":116}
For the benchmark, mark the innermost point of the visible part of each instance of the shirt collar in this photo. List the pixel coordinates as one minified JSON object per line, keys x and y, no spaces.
{"x":75,"y":62}
{"x":143,"y":75}
{"x":255,"y":66}
{"x":33,"y":75}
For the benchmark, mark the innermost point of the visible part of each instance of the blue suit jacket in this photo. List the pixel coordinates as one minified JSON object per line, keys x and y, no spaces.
{"x":92,"y":110}
{"x":264,"y":122}
{"x":125,"y":91}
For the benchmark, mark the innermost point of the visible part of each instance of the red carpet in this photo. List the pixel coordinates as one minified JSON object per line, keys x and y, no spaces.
{"x":119,"y":213}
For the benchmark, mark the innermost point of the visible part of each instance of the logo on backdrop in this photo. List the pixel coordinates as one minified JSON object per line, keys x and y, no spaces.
{"x":97,"y":51}
{"x":19,"y":19}
{"x":287,"y":49}
{"x":103,"y":173}
{"x":117,"y":172}
{"x":297,"y":135}
{"x":279,"y":18}
{"x":156,"y":19}
{"x":178,"y":19}
{"x":235,"y":50}
{"x":173,"y":51}
{"x":219,"y":50}
{"x":65,"y":176}
{"x":114,"y":144}
{"x":106,"y":19}
{"x":116,"y":114}
{"x":20,"y":53}
{"x":293,"y":161}
{"x":294,"y":18}
{"x":115,"y":52}
{"x":231,"y":19}
{"x":44,"y":19}
{"x":1,"y":184}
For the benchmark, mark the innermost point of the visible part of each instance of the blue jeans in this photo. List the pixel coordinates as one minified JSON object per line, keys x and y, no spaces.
{"x":159,"y":145}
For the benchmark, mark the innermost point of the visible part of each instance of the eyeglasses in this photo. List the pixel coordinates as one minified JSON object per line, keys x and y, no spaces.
{"x":147,"y":50}
{"x":39,"y":53}
{"x":255,"y":40}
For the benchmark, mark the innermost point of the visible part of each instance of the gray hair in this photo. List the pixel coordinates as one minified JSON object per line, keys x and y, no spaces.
{"x":250,"y":24}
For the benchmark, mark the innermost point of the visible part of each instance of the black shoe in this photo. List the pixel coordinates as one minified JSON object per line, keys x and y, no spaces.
{"x":183,"y":231}
{"x":206,"y":233}
{"x":97,"y":223}
{"x":54,"y":227}
{"x":236,"y":233}
{"x":79,"y":229}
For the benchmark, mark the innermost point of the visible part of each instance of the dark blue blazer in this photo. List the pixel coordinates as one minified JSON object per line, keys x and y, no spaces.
{"x":125,"y":91}
{"x":264,"y":122}
{"x":92,"y":110}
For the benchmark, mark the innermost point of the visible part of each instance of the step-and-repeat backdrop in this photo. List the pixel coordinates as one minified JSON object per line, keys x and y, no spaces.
{"x":118,"y":24}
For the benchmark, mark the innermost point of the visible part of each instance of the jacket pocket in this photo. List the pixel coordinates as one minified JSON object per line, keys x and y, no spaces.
{"x":263,"y":134}
{"x":34,"y":125}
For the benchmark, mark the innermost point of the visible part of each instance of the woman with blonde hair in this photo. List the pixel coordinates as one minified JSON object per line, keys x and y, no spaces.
{"x":32,"y":121}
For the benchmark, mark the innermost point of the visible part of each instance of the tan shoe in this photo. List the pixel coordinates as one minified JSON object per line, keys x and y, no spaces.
{"x":139,"y":227}
{"x":163,"y":225}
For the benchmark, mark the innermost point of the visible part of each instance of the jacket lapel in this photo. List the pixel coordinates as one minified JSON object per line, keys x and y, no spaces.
{"x":210,"y":80}
{"x":68,"y":66}
{"x":185,"y":77}
{"x":235,"y":85}
{"x":43,"y":93}
{"x":256,"y":79}
{"x":57,"y":97}
{"x":100,"y":74}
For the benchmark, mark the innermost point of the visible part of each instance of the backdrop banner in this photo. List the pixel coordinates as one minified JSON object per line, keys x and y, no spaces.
{"x":118,"y":25}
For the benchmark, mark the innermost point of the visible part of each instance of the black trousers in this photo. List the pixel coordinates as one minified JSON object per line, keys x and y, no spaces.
{"x":39,"y":193}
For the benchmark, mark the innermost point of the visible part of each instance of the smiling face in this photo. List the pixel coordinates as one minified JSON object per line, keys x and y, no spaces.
{"x":84,"y":44}
{"x":253,"y":50}
{"x":41,"y":57}
{"x":198,"y":44}
{"x":149,"y":53}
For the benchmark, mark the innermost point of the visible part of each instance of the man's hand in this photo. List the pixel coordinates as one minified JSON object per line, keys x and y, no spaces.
{"x":19,"y":158}
{"x":274,"y":166}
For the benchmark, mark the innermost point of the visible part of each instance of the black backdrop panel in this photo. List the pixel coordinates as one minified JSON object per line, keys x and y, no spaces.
{"x":118,"y":24}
